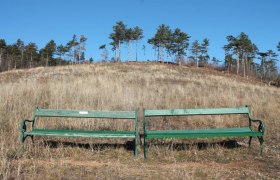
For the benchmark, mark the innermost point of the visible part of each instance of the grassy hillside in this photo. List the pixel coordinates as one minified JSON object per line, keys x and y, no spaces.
{"x":127,"y":87}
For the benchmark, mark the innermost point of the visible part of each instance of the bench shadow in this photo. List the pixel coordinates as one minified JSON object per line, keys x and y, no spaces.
{"x":129,"y":145}
{"x":229,"y":144}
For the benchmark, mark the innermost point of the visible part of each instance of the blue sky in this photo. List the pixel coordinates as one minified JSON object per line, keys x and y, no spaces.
{"x":40,"y":21}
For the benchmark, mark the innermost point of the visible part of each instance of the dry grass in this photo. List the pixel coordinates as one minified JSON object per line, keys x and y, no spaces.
{"x":127,"y":87}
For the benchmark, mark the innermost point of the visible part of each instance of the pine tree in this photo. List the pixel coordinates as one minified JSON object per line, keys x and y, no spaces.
{"x":137,"y":35}
{"x":2,"y":48}
{"x":31,"y":53}
{"x":179,"y":44}
{"x":81,"y":48}
{"x":128,"y":38}
{"x":104,"y":53}
{"x":161,"y":40}
{"x":61,"y":50}
{"x":49,"y":51}
{"x":118,"y":37}
{"x":195,"y":49}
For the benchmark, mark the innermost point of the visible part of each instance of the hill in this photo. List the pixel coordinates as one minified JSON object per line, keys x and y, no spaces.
{"x":127,"y":87}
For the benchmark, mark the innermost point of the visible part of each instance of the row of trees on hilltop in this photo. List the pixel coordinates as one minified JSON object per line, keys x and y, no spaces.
{"x":21,"y":55}
{"x":121,"y":34}
{"x":242,"y":56}
{"x":173,"y":42}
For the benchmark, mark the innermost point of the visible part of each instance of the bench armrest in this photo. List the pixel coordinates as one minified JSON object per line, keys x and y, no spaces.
{"x":261,"y":127}
{"x":23,"y":125}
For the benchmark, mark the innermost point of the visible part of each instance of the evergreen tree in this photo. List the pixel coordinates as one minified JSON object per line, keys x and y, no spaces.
{"x":2,"y":49}
{"x":31,"y":53}
{"x":161,"y":40}
{"x":91,"y":60}
{"x":61,"y":50}
{"x":179,"y":44}
{"x":104,"y":54}
{"x":71,"y":48}
{"x":118,"y":37}
{"x":137,"y":35}
{"x":229,"y":61}
{"x":204,"y":56}
{"x":243,"y":48}
{"x":48,"y":52}
{"x":128,"y":38}
{"x":195,"y":49}
{"x":20,"y":46}
{"x":81,"y":48}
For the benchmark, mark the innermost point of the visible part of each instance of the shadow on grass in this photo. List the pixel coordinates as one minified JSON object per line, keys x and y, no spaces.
{"x":129,"y":145}
{"x":229,"y":144}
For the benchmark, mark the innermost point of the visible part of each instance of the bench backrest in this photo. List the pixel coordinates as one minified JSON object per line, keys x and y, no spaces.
{"x":192,"y":112}
{"x":129,"y":115}
{"x":85,"y":114}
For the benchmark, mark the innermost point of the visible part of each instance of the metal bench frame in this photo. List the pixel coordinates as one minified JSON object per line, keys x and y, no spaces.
{"x":203,"y":133}
{"x":131,"y":115}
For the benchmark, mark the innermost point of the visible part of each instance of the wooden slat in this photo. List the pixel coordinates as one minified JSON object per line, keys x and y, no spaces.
{"x":205,"y":111}
{"x":84,"y":114}
{"x":203,"y":133}
{"x":81,"y":133}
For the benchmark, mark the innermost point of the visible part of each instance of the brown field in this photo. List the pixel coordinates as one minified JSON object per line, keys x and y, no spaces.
{"x":127,"y":87}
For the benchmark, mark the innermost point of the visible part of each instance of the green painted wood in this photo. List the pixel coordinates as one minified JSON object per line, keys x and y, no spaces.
{"x":81,"y":133}
{"x":136,"y":135}
{"x":205,"y":111}
{"x":84,"y":114}
{"x":203,"y":133}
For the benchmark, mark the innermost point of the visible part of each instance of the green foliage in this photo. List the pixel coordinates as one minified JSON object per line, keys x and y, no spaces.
{"x":31,"y":52}
{"x":103,"y":46}
{"x":104,"y":53}
{"x":196,"y":49}
{"x":268,"y":64}
{"x":243,"y":48}
{"x":179,"y":44}
{"x":161,"y":40}
{"x":2,"y":43}
{"x":50,"y":48}
{"x":118,"y":37}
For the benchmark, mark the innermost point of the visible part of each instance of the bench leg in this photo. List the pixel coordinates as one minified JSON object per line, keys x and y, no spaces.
{"x":22,"y":138}
{"x":250,"y":139}
{"x":261,"y":139}
{"x":145,"y":147}
{"x":32,"y":139}
{"x":135,"y":148}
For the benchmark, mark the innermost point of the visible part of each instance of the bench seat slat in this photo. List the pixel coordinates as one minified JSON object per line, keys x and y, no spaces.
{"x":200,"y":133}
{"x":81,"y":133}
{"x":84,"y":114}
{"x":188,"y":112}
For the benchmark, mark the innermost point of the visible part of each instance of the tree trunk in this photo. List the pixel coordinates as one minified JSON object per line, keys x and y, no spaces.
{"x":158,"y":54}
{"x":119,"y":49}
{"x":47,"y":60}
{"x":196,"y":60}
{"x":244,"y":67}
{"x":1,"y":56}
{"x":136,"y":51}
{"x":31,"y":59}
{"x":128,"y":51}
{"x":21,"y":60}
{"x":263,"y":69}
{"x":237,"y":64}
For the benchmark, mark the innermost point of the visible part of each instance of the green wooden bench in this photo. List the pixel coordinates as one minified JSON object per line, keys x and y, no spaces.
{"x":116,"y":115}
{"x":203,"y":133}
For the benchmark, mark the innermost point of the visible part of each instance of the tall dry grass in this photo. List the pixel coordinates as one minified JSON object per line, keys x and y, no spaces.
{"x":127,"y":87}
